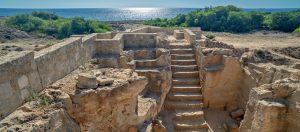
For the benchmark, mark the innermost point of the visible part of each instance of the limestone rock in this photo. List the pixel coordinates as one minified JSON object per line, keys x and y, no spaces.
{"x":237,"y":113}
{"x":233,"y":126}
{"x":270,"y":117}
{"x":296,"y":66}
{"x":103,"y":81}
{"x":157,"y":126}
{"x":86,"y":80}
{"x":110,"y":107}
{"x":132,"y":129}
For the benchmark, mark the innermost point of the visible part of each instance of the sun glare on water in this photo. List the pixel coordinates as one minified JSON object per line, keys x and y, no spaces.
{"x":143,"y":10}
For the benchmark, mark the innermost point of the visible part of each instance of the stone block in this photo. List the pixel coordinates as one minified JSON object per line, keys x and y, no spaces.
{"x":23,"y":82}
{"x":6,"y":90}
{"x":87,"y":80}
{"x":103,"y":81}
{"x":24,"y":93}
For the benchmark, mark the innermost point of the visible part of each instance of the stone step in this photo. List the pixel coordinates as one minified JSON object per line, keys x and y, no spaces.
{"x":148,"y":72}
{"x":184,"y":96}
{"x":180,"y":46}
{"x":184,"y":68}
{"x":190,"y":125}
{"x":183,"y":105}
{"x":182,"y":56}
{"x":182,"y":51}
{"x":186,"y":88}
{"x":186,"y":81}
{"x":144,"y":54}
{"x":145,"y":63}
{"x":185,"y":74}
{"x":193,"y":114}
{"x":183,"y":62}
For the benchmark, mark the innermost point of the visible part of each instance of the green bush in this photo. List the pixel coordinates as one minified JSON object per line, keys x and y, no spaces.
{"x":210,"y":36}
{"x":232,"y":19}
{"x":44,"y":15}
{"x":259,"y":52}
{"x":53,"y":25}
{"x":297,"y":31}
{"x":286,"y":21}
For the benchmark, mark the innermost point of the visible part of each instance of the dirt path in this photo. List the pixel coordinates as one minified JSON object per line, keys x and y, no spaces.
{"x":262,"y":39}
{"x":284,"y":56}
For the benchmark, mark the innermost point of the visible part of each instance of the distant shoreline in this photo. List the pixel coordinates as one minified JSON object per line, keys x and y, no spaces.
{"x":124,"y":15}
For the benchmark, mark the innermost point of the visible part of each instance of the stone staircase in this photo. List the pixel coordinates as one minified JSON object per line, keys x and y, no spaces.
{"x":185,"y":98}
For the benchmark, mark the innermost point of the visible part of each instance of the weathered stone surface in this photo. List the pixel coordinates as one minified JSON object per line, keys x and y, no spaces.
{"x":217,"y":84}
{"x":270,"y":116}
{"x":87,"y":80}
{"x":31,"y":119}
{"x":6,"y":90}
{"x":107,"y":108}
{"x":23,"y":82}
{"x":102,"y":81}
{"x":237,"y":113}
{"x":217,"y":51}
{"x":18,"y":77}
{"x":279,"y":90}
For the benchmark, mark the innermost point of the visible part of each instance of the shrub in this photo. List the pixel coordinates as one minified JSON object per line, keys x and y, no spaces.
{"x":40,"y":99}
{"x":52,"y":25}
{"x":259,"y":52}
{"x":297,"y":31}
{"x":210,"y":36}
{"x":232,"y":19}
{"x":44,"y":15}
{"x":64,"y":31}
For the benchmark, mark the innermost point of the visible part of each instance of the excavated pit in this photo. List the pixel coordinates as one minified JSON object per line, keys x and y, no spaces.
{"x":150,"y":79}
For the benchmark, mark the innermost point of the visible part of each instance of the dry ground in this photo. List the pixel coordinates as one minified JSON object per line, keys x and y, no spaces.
{"x":261,"y":39}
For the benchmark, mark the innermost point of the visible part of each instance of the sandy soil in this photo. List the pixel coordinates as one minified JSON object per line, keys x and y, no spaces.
{"x":261,"y":39}
{"x":30,"y":44}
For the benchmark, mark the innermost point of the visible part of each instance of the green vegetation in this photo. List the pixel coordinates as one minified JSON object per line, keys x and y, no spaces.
{"x":259,"y":52}
{"x":297,"y":31}
{"x":40,"y":99}
{"x":53,"y":25}
{"x":232,"y":19}
{"x":210,"y":36}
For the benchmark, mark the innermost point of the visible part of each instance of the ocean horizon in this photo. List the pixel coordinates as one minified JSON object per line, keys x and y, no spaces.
{"x":121,"y":14}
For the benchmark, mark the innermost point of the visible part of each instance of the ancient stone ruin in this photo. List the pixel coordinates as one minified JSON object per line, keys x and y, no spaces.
{"x":148,"y":80}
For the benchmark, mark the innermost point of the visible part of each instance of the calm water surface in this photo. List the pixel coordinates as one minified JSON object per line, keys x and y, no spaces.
{"x":118,"y":14}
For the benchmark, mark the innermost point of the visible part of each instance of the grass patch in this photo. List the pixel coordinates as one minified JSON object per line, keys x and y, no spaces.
{"x":40,"y":99}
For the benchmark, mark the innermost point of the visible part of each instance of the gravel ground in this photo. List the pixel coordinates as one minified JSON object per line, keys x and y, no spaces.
{"x":260,"y":39}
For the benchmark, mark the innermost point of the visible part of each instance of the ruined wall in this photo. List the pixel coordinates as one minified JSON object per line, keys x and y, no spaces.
{"x":109,"y":46}
{"x":221,"y":88}
{"x":139,"y":40}
{"x":60,"y":59}
{"x":222,"y":75}
{"x":114,"y":106}
{"x":281,"y":93}
{"x":142,"y":30}
{"x":26,"y":72}
{"x":272,"y":105}
{"x":108,"y":35}
{"x":18,"y":78}
{"x":189,"y":36}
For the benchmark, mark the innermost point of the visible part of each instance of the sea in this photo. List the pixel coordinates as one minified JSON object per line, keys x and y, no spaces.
{"x":121,"y":14}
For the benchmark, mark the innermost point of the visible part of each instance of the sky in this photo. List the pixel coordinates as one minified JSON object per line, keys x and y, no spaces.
{"x":147,"y":3}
